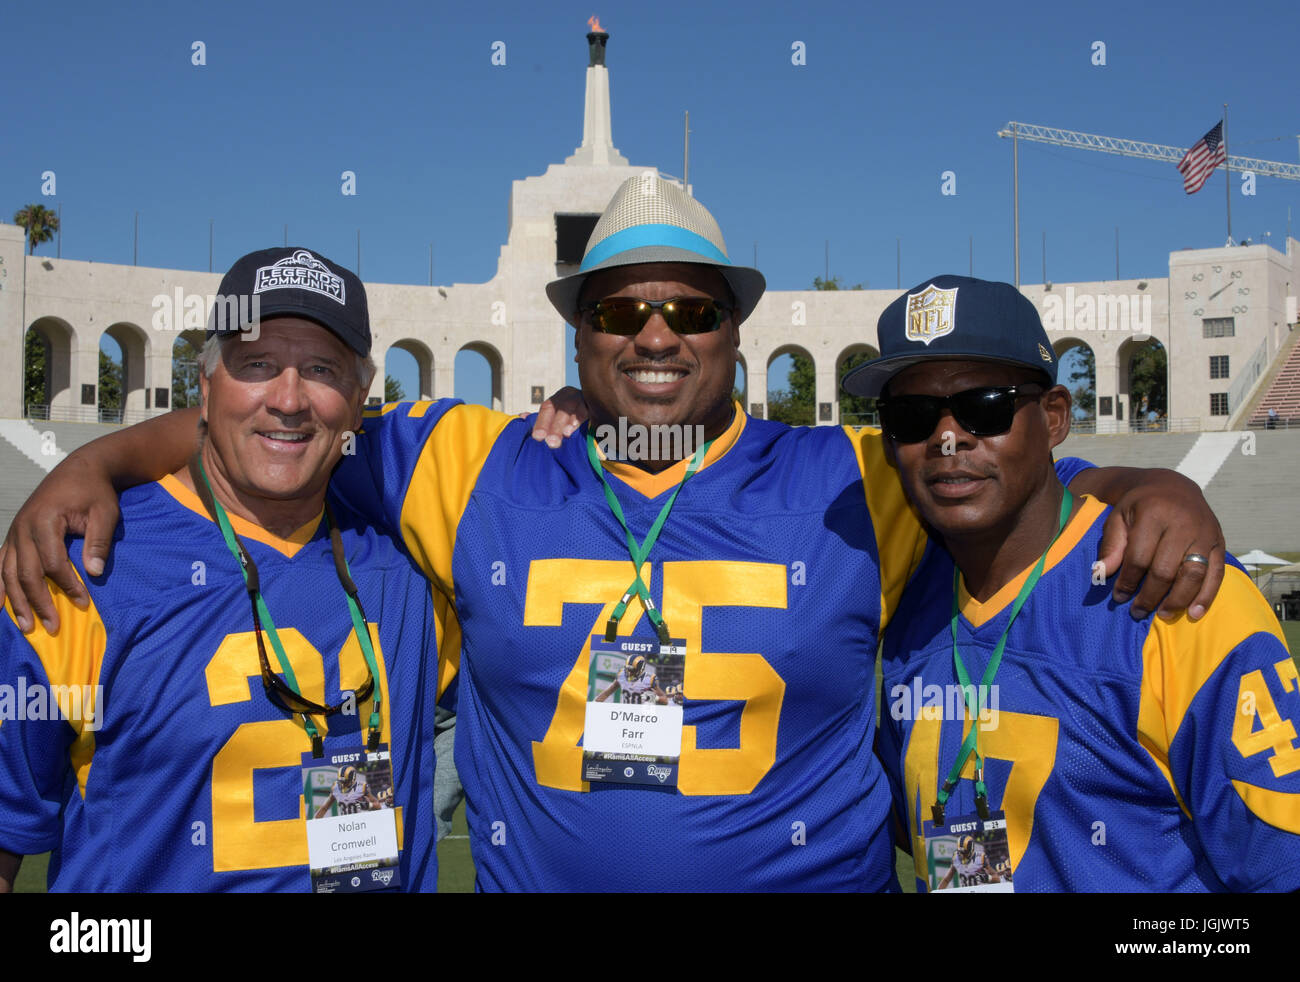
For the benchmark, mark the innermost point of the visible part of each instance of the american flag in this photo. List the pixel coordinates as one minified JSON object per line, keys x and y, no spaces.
{"x":1199,"y":162}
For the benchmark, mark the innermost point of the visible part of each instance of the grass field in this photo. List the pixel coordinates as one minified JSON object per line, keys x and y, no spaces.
{"x":456,"y":867}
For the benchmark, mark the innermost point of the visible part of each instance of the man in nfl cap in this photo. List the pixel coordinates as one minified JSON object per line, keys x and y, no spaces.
{"x":768,"y":558}
{"x":1123,"y":754}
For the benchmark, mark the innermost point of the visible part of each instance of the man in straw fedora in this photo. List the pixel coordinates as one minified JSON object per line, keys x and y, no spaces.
{"x":752,"y":566}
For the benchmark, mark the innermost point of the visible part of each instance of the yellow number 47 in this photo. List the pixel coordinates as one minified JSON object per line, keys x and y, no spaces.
{"x":1275,"y":733}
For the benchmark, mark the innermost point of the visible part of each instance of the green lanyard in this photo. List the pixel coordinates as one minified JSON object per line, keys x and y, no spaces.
{"x":971,"y":743}
{"x":639,"y":553}
{"x":264,"y":614}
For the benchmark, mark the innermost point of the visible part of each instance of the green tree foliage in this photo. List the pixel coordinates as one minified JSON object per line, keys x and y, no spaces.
{"x":1082,"y":382}
{"x":795,"y":405}
{"x":185,"y":374}
{"x":35,"y":356}
{"x":393,"y":391}
{"x":40,"y":223}
{"x":110,"y":382}
{"x":855,"y":410}
{"x":1149,"y":381}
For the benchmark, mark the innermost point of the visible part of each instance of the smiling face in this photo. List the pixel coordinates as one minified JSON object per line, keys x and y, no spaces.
{"x":658,"y":377}
{"x":276,"y":411}
{"x":967,"y":486}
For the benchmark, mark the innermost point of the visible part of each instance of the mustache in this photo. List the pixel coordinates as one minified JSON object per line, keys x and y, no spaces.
{"x":950,"y":465}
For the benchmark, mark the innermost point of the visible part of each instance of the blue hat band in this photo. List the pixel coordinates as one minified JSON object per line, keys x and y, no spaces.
{"x":641,"y":236}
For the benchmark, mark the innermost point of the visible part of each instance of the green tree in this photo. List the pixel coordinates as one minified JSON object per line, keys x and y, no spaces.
{"x":795,"y":405}
{"x":185,"y":374}
{"x":40,"y":222}
{"x":35,"y":371}
{"x":854,"y":410}
{"x":110,"y":382}
{"x":1082,"y":381}
{"x":1148,"y":381}
{"x":393,"y":391}
{"x":834,"y":284}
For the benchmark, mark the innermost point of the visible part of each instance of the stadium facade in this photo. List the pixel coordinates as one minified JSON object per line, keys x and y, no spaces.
{"x":1222,"y":315}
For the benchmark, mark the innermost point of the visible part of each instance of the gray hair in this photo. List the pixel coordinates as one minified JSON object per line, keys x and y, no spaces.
{"x":211,"y":354}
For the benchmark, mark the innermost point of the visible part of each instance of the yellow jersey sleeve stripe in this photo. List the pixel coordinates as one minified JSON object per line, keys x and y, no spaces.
{"x":73,"y":659}
{"x":441,"y":482}
{"x":449,"y":636}
{"x":1178,"y":657}
{"x":900,"y":538}
{"x":1279,"y":808}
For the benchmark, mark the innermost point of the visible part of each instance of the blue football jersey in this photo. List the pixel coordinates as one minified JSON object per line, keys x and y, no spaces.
{"x":178,"y":772}
{"x":781,"y":559}
{"x":1128,"y":755}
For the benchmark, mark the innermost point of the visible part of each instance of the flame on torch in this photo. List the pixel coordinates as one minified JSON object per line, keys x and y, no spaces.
{"x":594,"y":23}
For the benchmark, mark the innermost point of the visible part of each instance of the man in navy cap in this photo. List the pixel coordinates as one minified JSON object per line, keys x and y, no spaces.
{"x":1108,"y":753}
{"x":249,"y":632}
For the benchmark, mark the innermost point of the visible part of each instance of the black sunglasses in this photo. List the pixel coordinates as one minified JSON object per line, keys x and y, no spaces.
{"x":985,"y":411}
{"x":626,"y":316}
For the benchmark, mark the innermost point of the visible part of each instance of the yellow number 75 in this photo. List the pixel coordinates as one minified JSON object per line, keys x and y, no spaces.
{"x":688,"y":587}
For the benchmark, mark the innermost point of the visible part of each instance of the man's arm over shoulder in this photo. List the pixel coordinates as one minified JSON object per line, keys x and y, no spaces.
{"x":412,"y":470}
{"x":1219,"y":712}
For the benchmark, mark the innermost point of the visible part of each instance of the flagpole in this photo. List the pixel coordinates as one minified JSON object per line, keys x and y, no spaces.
{"x":1015,"y":181}
{"x":1227,"y":175}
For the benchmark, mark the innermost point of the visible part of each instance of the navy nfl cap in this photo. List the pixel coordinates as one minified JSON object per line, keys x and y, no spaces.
{"x":295,"y":282}
{"x":955,"y":317}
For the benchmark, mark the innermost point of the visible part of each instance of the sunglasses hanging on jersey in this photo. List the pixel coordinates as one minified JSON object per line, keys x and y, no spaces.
{"x":986,"y":411}
{"x":626,"y":316}
{"x":279,"y":691}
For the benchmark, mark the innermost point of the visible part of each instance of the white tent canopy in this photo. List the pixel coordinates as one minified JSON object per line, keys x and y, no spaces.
{"x":1261,"y":558}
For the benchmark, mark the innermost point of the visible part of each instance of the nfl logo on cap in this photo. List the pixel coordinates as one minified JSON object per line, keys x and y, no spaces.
{"x":956,"y":317}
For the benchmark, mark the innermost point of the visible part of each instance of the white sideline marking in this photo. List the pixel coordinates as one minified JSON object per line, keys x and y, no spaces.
{"x":1207,"y":455}
{"x":27,"y":438}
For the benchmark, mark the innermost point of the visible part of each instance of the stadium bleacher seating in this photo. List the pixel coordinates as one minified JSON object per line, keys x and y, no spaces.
{"x":1283,"y":395}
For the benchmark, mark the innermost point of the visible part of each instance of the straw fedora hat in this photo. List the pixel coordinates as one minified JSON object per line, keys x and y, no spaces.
{"x":650,"y":220}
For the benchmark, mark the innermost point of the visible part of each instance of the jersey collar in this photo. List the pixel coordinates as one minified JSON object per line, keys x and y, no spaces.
{"x":653,"y":485}
{"x":980,"y":614}
{"x":243,"y":528}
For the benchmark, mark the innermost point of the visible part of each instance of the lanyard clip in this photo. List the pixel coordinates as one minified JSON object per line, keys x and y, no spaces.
{"x":611,"y":630}
{"x":982,"y":807}
{"x":373,"y":743}
{"x":317,"y":747}
{"x":936,"y":812}
{"x":664,"y":639}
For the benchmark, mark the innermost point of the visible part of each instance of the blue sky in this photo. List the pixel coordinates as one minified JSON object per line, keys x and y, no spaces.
{"x":849,"y":147}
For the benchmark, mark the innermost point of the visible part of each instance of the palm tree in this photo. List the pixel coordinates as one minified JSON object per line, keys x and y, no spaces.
{"x":40,"y":222}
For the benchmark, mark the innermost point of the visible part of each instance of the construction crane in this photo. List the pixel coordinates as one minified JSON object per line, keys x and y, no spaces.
{"x":1124,"y":148}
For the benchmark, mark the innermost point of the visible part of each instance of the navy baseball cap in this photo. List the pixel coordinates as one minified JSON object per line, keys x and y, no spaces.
{"x":295,"y":282}
{"x":955,"y":317}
